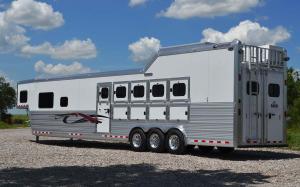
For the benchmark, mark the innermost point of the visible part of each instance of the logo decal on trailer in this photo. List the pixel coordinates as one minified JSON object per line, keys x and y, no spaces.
{"x":84,"y":118}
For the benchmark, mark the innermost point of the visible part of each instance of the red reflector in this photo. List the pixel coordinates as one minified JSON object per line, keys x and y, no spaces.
{"x":195,"y":140}
{"x":203,"y":141}
{"x":211,"y":141}
{"x":218,"y":141}
{"x":226,"y":142}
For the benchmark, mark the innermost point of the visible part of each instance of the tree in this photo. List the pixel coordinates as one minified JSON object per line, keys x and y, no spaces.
{"x":7,"y":97}
{"x":293,"y":100}
{"x":293,"y":86}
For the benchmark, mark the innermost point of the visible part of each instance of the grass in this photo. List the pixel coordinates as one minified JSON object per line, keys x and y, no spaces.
{"x":13,"y":126}
{"x":293,"y":138}
{"x":18,"y":121}
{"x":21,"y":118}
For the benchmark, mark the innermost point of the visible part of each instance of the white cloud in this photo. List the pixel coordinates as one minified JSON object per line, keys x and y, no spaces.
{"x":248,"y":32}
{"x":35,"y":14}
{"x":133,"y":3}
{"x":60,"y":69}
{"x":12,"y":36}
{"x":184,"y":9}
{"x":22,"y":13}
{"x":70,"y":50}
{"x":144,"y":49}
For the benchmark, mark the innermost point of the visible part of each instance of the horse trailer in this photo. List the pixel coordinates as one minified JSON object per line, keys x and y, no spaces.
{"x":225,"y":95}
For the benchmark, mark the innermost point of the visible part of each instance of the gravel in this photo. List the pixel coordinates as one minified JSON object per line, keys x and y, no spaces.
{"x":60,"y":162}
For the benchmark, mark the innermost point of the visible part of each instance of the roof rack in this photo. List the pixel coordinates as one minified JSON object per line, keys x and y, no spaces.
{"x":267,"y":57}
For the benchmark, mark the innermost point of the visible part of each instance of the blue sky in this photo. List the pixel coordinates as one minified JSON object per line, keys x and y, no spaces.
{"x":86,"y":36}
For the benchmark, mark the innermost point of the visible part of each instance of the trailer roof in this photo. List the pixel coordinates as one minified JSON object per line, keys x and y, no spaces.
{"x":165,"y":51}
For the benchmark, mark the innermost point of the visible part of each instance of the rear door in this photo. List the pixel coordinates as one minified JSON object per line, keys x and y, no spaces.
{"x":104,"y":107}
{"x":274,"y":111}
{"x":252,"y":107}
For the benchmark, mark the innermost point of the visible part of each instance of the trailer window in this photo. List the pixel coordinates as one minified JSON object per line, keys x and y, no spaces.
{"x":104,"y":93}
{"x":121,"y":92}
{"x":64,"y":101}
{"x":46,"y":100}
{"x":138,"y":91}
{"x":254,"y":88}
{"x":274,"y":90}
{"x":23,"y":96}
{"x":179,"y":89}
{"x":158,"y":90}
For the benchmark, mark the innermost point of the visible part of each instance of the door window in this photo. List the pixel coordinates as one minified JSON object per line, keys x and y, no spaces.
{"x":254,"y":88}
{"x":104,"y":93}
{"x":274,"y":90}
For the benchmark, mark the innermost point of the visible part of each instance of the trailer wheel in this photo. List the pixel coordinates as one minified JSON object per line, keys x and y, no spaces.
{"x":226,"y":150}
{"x":175,"y":142}
{"x":156,"y":140}
{"x":138,"y":140}
{"x":206,"y":149}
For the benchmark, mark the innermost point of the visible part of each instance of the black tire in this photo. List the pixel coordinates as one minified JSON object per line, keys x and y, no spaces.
{"x":205,"y":149}
{"x":157,"y":146}
{"x":226,"y":150}
{"x":133,"y":138}
{"x":178,"y":140}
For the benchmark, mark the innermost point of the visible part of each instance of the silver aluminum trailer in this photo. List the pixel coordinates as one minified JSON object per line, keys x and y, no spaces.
{"x":224,"y":95}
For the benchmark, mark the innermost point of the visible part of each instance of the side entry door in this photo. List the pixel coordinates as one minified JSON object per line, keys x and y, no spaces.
{"x":274,"y":111}
{"x":104,"y":93}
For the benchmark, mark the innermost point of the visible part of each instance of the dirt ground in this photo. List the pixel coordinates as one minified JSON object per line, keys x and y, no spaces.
{"x":60,"y":162}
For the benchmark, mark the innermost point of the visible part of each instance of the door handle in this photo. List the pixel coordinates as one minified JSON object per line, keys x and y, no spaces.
{"x":270,"y":115}
{"x":107,"y":111}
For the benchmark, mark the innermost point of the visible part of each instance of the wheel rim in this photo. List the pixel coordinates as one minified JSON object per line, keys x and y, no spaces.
{"x":137,"y":140}
{"x":154,"y":141}
{"x":174,"y":142}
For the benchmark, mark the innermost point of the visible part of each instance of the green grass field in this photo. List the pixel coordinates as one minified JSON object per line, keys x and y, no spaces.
{"x":13,"y":126}
{"x":18,"y":121}
{"x":293,"y":138}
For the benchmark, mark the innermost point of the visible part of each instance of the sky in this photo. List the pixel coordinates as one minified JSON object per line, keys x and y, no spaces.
{"x":50,"y":38}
